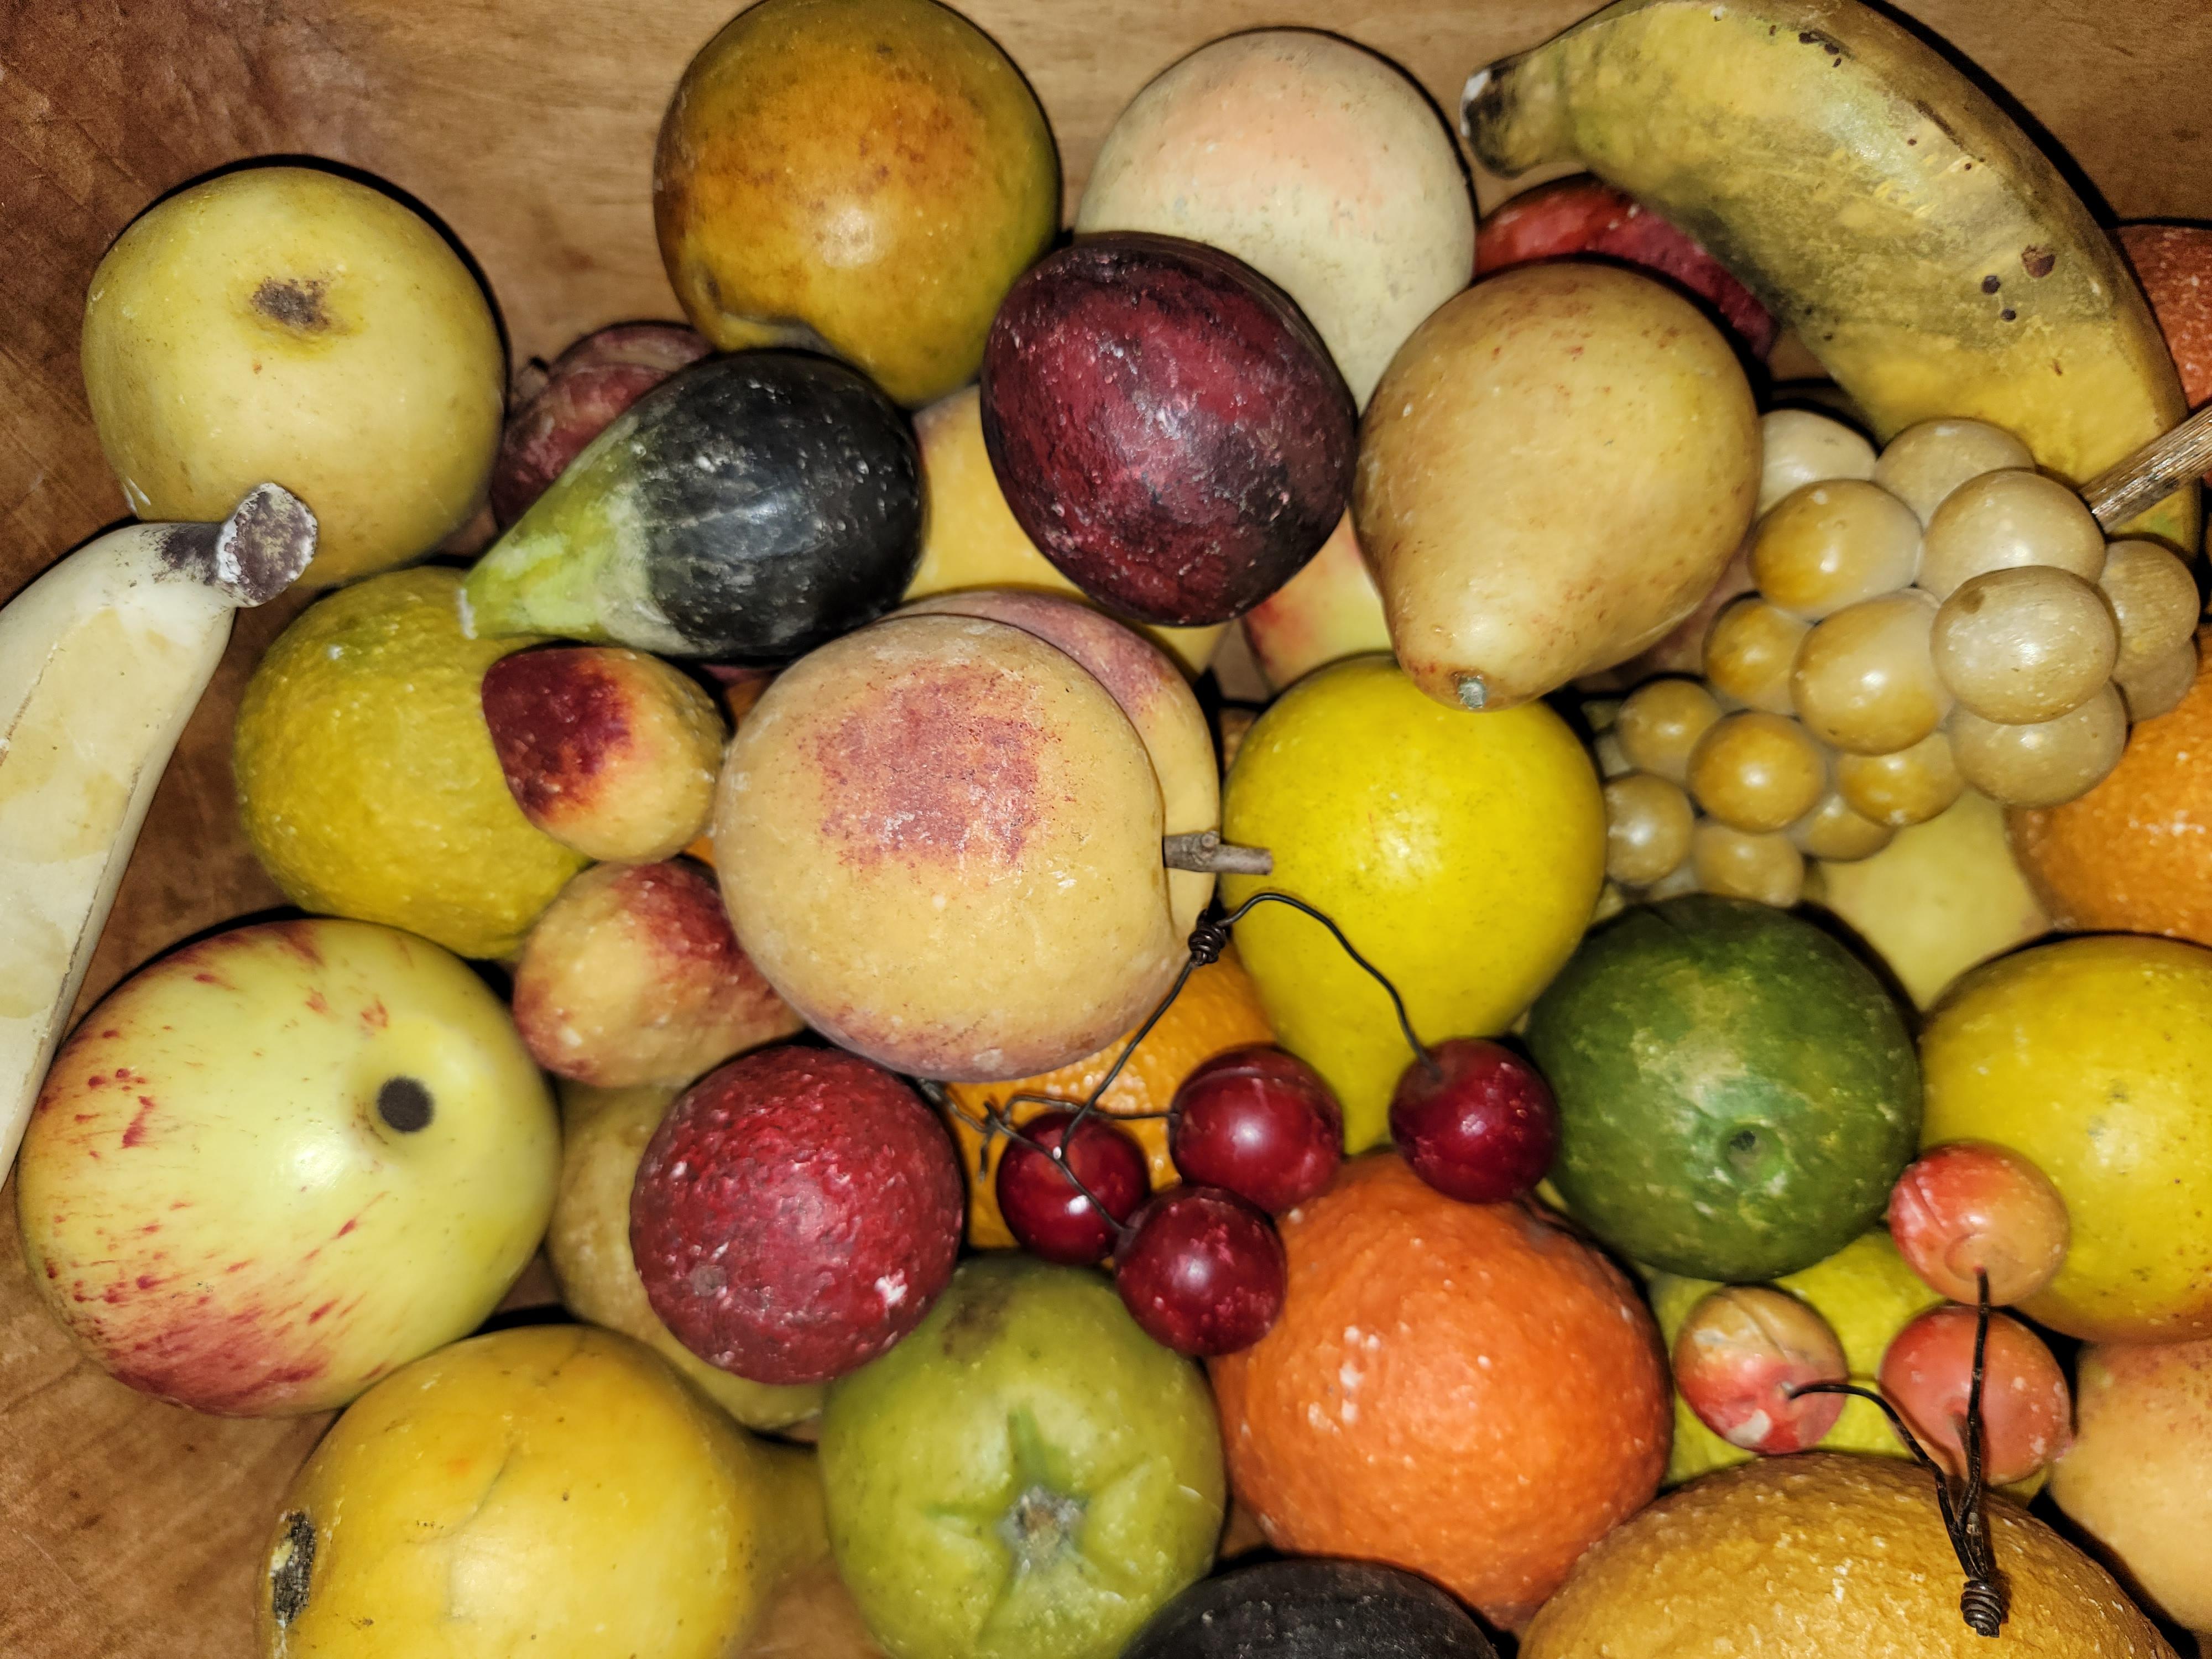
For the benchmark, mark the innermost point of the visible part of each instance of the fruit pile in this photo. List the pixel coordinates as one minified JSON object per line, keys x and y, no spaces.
{"x":1012,"y":1130}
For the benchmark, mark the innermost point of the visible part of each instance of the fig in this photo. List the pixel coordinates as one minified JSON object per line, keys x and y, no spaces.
{"x":1166,"y":425}
{"x":586,"y":387}
{"x":939,"y":838}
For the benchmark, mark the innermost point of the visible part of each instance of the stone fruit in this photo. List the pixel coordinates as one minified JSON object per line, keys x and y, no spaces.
{"x":2138,"y":1478}
{"x":1582,"y":214}
{"x":2091,"y":1058}
{"x":287,"y":325}
{"x":281,"y":1162}
{"x":939,"y":839}
{"x":1476,"y":1122}
{"x":609,"y":751}
{"x":2130,"y":855}
{"x":1167,"y":427}
{"x":604,"y":1134}
{"x":1463,"y":1390}
{"x":1556,"y":469}
{"x":1740,"y":1359}
{"x":753,"y":506}
{"x":1386,"y":812}
{"x":546,"y":1490}
{"x":2027,"y":1413}
{"x":787,"y":217}
{"x":1326,"y":613}
{"x":1218,"y":1009}
{"x":633,"y":976}
{"x":366,"y":779}
{"x":1311,"y":1610}
{"x":1939,"y":898}
{"x":1970,"y":1211}
{"x":1146,"y":685}
{"x":1258,"y":1122}
{"x":1049,"y":1215}
{"x":586,"y":387}
{"x":1737,"y":1091}
{"x":1865,"y":1294}
{"x":1870,"y":1574}
{"x":796,"y":1213}
{"x":1202,"y":1272}
{"x":1028,"y":1476}
{"x":1315,"y":162}
{"x":971,"y":538}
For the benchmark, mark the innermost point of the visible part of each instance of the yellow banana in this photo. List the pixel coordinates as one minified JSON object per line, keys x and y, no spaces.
{"x":1874,"y":199}
{"x":102,"y":660}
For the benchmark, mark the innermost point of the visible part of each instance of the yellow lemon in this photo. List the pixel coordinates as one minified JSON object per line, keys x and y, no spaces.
{"x":1461,"y":853}
{"x":2092,"y":1058}
{"x":366,"y":777}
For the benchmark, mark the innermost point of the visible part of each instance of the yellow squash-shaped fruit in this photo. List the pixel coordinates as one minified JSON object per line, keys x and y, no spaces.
{"x":1461,"y":853}
{"x":1877,"y":201}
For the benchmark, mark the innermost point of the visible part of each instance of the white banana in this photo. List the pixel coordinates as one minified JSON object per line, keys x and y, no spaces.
{"x":102,"y":660}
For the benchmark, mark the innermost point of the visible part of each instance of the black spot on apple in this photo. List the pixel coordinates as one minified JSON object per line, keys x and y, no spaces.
{"x":291,"y":1574}
{"x":294,"y":303}
{"x":405,"y":1104}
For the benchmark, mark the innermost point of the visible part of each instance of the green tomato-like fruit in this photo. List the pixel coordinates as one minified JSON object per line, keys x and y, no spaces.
{"x":1027,"y":1476}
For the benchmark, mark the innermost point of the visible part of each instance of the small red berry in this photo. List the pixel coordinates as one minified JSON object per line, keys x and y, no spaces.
{"x":1046,"y":1211}
{"x":1260,"y":1123}
{"x":1203,"y":1272}
{"x":1475,"y":1120}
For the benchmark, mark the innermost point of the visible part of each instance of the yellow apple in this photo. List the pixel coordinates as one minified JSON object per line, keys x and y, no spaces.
{"x":281,"y":1163}
{"x":973,"y":539}
{"x":284,"y":325}
{"x":555,"y":1490}
{"x":604,"y":1135}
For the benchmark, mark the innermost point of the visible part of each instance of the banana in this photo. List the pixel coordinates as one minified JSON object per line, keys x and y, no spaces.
{"x":102,"y":660}
{"x":1877,"y":201}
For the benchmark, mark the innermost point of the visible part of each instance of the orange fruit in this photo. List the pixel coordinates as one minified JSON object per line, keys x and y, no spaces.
{"x":1219,"y":1009}
{"x":1466,"y":1390}
{"x":2134,"y":854}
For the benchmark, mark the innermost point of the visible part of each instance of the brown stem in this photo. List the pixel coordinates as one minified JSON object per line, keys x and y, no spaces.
{"x":2152,"y":473}
{"x":1204,"y":851}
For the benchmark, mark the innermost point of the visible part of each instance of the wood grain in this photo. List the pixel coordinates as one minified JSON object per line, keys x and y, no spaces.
{"x":128,"y":1528}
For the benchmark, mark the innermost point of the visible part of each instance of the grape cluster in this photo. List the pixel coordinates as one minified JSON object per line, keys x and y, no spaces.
{"x":1937,"y":616}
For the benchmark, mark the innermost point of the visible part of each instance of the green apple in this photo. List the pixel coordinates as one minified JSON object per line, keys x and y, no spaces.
{"x":284,"y":1162}
{"x":1026,"y":1476}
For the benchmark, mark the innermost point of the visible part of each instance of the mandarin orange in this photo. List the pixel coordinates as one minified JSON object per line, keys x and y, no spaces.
{"x":1219,"y":1009}
{"x":2134,"y":853}
{"x":1467,"y":1390}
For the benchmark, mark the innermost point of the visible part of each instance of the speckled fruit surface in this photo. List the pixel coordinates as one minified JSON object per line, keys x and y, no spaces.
{"x":796,"y":1213}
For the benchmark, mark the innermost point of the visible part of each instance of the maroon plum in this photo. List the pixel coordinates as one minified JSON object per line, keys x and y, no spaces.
{"x":1166,"y":426}
{"x":1049,"y":1215}
{"x":796,"y":1213}
{"x":1258,"y":1122}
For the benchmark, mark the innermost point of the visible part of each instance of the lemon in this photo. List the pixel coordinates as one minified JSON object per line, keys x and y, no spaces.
{"x":2091,"y":1058}
{"x":1867,"y":1294}
{"x":1461,"y":853}
{"x":366,"y":777}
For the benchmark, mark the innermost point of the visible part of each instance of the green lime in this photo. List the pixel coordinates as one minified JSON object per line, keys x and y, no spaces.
{"x":1736,"y":1091}
{"x":366,"y":777}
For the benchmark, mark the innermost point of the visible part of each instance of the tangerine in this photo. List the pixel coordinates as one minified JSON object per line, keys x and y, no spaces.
{"x":1465,"y":1390}
{"x":2134,"y":853}
{"x":1219,"y":1009}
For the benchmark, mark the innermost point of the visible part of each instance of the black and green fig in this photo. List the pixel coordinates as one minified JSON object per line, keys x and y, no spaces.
{"x":749,"y":508}
{"x":1312,"y":1610}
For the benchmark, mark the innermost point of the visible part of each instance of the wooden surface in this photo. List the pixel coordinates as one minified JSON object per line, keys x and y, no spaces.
{"x":128,"y":1528}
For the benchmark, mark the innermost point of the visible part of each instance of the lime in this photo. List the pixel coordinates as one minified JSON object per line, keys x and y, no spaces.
{"x":367,"y":778}
{"x":1736,"y":1091}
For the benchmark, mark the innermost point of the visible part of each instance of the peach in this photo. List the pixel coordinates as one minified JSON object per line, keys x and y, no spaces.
{"x":939,"y":838}
{"x":633,"y":976}
{"x":609,"y":751}
{"x":1329,"y":611}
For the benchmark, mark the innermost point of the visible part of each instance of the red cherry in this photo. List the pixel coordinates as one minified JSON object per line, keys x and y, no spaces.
{"x":1046,"y":1212}
{"x":1203,"y":1272}
{"x":1260,"y":1123}
{"x":2027,"y":1412}
{"x":1739,"y":1359}
{"x":1480,"y":1126}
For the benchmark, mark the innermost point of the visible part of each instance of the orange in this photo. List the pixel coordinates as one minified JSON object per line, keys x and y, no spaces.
{"x":2134,"y":854}
{"x":1466,"y":1390}
{"x":1219,"y":1009}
